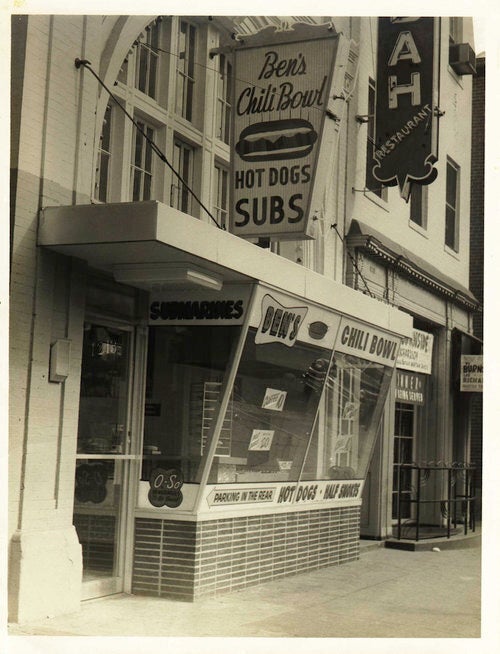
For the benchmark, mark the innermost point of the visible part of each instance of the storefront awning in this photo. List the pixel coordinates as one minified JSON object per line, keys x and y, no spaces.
{"x":130,"y":239}
{"x":409,"y":264}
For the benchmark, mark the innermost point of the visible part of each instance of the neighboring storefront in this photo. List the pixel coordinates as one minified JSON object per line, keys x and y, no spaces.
{"x":236,"y":449}
{"x":427,"y":419}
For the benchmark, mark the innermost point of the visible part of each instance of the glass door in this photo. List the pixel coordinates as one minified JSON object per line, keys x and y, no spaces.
{"x":404,"y":448}
{"x":103,"y":457}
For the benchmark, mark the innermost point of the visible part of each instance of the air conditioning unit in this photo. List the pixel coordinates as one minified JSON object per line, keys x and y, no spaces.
{"x":462,"y":59}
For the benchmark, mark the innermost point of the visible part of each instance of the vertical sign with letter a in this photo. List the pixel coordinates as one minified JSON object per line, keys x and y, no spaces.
{"x":405,"y":146}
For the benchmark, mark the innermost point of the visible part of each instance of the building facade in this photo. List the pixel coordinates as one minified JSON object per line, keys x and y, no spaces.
{"x":199,"y":401}
{"x":477,"y":250}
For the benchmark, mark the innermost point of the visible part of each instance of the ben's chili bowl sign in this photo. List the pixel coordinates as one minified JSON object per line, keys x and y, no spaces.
{"x":280,"y":97}
{"x":278,"y":323}
{"x":366,"y":342}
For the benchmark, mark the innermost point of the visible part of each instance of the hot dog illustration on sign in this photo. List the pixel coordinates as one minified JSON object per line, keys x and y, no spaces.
{"x":290,"y":138}
{"x":279,"y":324}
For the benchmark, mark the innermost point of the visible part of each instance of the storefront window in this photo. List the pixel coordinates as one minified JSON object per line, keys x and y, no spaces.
{"x":355,"y":393}
{"x":184,"y":379}
{"x":271,"y":412}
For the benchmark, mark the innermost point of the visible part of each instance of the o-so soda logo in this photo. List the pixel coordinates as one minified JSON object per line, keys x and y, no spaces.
{"x":90,"y":482}
{"x":279,"y":324}
{"x":165,"y":487}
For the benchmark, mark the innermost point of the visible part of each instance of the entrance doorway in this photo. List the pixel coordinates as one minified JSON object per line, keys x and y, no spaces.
{"x":104,"y":457}
{"x":404,"y":453}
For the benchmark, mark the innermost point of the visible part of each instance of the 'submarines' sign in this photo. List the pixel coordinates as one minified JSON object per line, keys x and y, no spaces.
{"x":405,"y":147}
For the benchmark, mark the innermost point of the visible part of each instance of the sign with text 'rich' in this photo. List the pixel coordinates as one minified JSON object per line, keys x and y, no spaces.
{"x":281,"y":94}
{"x":405,"y":147}
{"x":471,"y":373}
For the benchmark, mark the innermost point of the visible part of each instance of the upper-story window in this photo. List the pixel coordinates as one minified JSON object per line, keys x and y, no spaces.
{"x":103,"y":172}
{"x":156,"y":85}
{"x":452,"y":214}
{"x":224,"y":91}
{"x":371,"y":183}
{"x":221,"y":195}
{"x":146,"y":62}
{"x":141,"y":173}
{"x":183,"y":163}
{"x":418,"y":205}
{"x":456,"y":29}
{"x":185,"y":70}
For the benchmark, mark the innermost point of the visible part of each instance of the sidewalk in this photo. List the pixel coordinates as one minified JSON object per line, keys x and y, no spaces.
{"x":386,"y":594}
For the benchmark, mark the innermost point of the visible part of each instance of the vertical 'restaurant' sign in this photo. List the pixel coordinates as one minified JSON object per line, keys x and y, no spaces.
{"x":281,"y":94}
{"x":405,"y":146}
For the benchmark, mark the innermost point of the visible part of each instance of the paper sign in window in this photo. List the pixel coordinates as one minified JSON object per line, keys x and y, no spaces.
{"x":261,"y":440}
{"x":274,"y":400}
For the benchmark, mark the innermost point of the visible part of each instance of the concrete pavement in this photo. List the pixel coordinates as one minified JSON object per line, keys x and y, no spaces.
{"x":386,"y":594}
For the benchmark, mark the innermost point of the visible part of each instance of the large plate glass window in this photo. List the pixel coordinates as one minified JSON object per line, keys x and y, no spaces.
{"x":185,"y":370}
{"x":271,"y":412}
{"x":355,"y":393}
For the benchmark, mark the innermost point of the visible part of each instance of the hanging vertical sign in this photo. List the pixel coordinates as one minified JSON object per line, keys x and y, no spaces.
{"x":405,"y":146}
{"x":280,"y":98}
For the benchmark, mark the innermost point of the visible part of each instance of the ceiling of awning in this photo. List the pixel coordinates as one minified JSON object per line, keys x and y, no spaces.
{"x":150,"y":234}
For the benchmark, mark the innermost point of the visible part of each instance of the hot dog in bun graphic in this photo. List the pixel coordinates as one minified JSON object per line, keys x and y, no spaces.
{"x":289,"y":138}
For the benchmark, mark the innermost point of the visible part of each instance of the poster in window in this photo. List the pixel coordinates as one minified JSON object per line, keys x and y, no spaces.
{"x":261,"y":440}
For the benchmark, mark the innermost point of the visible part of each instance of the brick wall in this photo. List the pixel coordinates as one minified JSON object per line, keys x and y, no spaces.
{"x":185,"y":560}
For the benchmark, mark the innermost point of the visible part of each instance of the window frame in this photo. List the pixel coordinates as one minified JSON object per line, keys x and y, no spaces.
{"x":221,"y":208}
{"x":183,"y":199}
{"x":106,"y":153}
{"x":185,"y":75}
{"x":456,"y":26}
{"x":452,"y":209}
{"x":380,"y":191}
{"x":148,"y":49}
{"x":223,"y":109}
{"x":146,"y":158}
{"x":421,"y":207}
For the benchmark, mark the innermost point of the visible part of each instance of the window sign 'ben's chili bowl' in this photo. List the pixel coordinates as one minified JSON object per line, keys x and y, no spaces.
{"x":235,"y":425}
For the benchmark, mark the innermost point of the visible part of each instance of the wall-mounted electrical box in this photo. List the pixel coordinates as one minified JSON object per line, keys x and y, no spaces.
{"x":60,"y":352}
